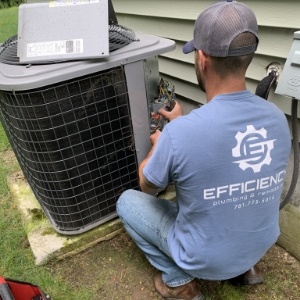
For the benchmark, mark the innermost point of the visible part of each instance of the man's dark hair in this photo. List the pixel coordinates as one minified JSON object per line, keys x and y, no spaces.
{"x":225,"y":66}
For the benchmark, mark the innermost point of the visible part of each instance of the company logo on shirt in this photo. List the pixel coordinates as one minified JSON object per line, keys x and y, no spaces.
{"x":253,"y":149}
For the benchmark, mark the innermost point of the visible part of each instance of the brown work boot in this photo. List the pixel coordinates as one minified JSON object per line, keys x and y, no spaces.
{"x":189,"y":291}
{"x":251,"y":277}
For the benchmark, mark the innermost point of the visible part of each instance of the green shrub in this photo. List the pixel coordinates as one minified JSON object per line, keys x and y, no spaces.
{"x":9,"y":3}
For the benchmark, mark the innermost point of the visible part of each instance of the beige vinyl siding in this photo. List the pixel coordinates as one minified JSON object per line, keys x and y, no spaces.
{"x":278,"y":20}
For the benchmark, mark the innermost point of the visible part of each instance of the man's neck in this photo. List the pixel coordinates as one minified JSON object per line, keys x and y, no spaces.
{"x":217,"y":87}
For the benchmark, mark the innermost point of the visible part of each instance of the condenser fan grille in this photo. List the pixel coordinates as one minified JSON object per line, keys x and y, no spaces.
{"x":8,"y":51}
{"x":74,"y":142}
{"x":120,"y":36}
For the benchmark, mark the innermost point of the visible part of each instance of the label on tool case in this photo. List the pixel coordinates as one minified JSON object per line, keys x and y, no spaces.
{"x":55,"y":48}
{"x":57,"y":3}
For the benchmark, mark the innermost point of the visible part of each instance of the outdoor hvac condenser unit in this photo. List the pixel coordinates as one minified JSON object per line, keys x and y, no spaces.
{"x":80,"y":128}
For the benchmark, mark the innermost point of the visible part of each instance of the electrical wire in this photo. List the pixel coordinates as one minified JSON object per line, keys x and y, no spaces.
{"x":262,"y":90}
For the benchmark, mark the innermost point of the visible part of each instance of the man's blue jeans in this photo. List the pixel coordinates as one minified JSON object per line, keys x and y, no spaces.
{"x":148,"y":220}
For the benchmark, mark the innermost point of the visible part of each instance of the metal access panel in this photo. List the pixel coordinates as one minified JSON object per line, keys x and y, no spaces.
{"x":289,"y":83}
{"x":63,"y":30}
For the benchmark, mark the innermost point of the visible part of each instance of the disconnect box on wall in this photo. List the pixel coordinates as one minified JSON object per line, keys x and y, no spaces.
{"x":289,"y":83}
{"x":63,"y":30}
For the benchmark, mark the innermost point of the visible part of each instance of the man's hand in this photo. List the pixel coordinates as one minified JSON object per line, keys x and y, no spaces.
{"x":145,"y":185}
{"x":154,"y":137}
{"x":173,"y":114}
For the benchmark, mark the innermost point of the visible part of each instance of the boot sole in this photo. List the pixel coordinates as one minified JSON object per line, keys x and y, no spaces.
{"x":199,"y":297}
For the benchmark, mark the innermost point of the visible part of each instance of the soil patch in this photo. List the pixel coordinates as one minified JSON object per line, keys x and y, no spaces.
{"x":117,"y":269}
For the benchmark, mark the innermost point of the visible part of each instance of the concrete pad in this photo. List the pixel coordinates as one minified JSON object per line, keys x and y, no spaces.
{"x":44,"y":241}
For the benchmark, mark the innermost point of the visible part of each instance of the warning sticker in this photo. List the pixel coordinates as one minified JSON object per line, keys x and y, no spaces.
{"x":55,"y":48}
{"x":56,"y":3}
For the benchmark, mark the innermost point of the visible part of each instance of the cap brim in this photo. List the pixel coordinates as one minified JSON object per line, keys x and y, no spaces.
{"x":189,"y":47}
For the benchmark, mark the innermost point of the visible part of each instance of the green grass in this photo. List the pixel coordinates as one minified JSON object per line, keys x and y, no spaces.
{"x":4,"y":143}
{"x":4,"y":168}
{"x":8,"y":23}
{"x":16,"y":259}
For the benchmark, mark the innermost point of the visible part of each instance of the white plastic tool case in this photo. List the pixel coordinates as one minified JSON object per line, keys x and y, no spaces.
{"x":57,"y":30}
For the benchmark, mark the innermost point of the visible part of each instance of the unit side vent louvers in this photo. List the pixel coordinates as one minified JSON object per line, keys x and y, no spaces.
{"x":74,"y":142}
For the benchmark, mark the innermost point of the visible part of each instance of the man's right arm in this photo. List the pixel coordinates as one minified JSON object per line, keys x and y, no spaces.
{"x":145,"y":185}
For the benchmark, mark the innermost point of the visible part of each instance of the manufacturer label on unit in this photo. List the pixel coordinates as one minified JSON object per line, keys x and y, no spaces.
{"x":56,"y":3}
{"x":54,"y":48}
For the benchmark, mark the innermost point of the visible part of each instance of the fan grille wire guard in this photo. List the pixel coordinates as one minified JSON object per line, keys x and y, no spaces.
{"x":120,"y":36}
{"x":8,"y":51}
{"x":74,"y":142}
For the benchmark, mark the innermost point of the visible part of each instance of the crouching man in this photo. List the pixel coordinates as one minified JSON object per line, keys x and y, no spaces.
{"x":227,"y":160}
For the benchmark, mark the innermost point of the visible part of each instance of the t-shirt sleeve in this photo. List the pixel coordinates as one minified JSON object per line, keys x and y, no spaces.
{"x":159,"y":167}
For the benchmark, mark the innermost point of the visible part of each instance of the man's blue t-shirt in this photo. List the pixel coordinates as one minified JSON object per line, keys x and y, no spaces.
{"x":228,"y":161}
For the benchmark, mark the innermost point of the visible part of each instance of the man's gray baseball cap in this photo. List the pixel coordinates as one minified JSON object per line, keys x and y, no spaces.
{"x":218,"y":25}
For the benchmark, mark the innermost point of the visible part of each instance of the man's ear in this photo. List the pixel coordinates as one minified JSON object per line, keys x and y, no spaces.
{"x":203,"y":58}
